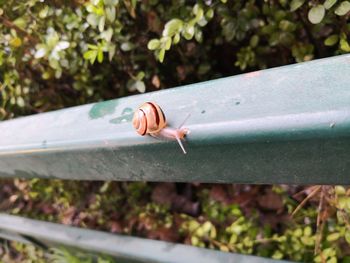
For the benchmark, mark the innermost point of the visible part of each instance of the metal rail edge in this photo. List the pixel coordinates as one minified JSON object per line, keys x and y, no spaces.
{"x":123,"y":248}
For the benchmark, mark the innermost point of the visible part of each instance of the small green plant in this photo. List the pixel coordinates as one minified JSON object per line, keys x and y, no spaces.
{"x":177,"y":28}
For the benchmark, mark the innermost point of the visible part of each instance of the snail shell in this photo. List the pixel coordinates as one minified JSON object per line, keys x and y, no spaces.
{"x":149,"y":119}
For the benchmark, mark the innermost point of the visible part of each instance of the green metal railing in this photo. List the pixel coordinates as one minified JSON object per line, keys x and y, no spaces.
{"x":123,"y":248}
{"x":286,"y":125}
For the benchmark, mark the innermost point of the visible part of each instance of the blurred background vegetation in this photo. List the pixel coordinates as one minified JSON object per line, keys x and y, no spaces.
{"x":60,"y":53}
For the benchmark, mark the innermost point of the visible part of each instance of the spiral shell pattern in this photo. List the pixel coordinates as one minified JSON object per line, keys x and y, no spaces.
{"x":148,"y":118}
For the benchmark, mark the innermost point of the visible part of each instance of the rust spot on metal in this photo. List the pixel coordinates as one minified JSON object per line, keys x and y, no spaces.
{"x":252,"y":74}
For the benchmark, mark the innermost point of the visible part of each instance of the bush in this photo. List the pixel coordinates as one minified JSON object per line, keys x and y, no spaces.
{"x":61,"y":53}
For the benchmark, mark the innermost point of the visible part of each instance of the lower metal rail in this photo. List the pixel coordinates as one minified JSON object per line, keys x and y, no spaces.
{"x":123,"y":248}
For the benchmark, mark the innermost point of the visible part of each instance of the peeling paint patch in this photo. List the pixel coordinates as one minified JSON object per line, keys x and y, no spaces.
{"x":126,"y":116}
{"x":102,"y":109}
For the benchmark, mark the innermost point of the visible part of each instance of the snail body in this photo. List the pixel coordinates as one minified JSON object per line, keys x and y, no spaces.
{"x":150,"y":119}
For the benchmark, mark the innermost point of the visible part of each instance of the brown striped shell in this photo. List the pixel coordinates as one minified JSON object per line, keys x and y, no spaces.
{"x":148,"y":118}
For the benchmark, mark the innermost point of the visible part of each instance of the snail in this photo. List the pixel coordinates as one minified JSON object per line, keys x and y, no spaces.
{"x":150,"y":119}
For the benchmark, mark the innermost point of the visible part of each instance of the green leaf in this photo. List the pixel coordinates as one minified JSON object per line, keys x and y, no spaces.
{"x":307,"y":231}
{"x":198,"y":36}
{"x":342,"y":202}
{"x":140,"y":75}
{"x":92,"y":46}
{"x":329,"y":252}
{"x":209,"y":14}
{"x":100,"y":55}
{"x":111,"y":2}
{"x":254,"y":41}
{"x":343,"y":8}
{"x":329,"y":3}
{"x":137,"y":85}
{"x":111,"y":51}
{"x":207,"y":226}
{"x":133,"y":3}
{"x":307,"y":241}
{"x":188,"y":32}
{"x":20,"y":102}
{"x":140,"y":86}
{"x":339,"y":190}
{"x":277,"y":255}
{"x":344,"y":45}
{"x":95,"y":2}
{"x":233,"y":239}
{"x":295,"y":4}
{"x":198,"y":11}
{"x":176,"y":39}
{"x":101,"y":24}
{"x":15,"y":42}
{"x":331,"y":40}
{"x":298,"y":232}
{"x":203,"y":68}
{"x":333,"y":237}
{"x":161,"y":55}
{"x":167,"y":42}
{"x":316,"y":14}
{"x":90,"y":55}
{"x":153,"y":44}
{"x":279,"y":15}
{"x":194,"y":240}
{"x":92,"y":19}
{"x":196,"y":8}
{"x":172,"y":27}
{"x":52,"y":39}
{"x":110,"y":13}
{"x":340,"y":217}
{"x":107,"y":34}
{"x":21,"y":22}
{"x":202,"y":22}
{"x":347,"y":236}
{"x":127,"y":46}
{"x":287,"y":26}
{"x":44,"y":12}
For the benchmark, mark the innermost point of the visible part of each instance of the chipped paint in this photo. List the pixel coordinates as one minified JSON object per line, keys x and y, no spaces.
{"x":101,"y":109}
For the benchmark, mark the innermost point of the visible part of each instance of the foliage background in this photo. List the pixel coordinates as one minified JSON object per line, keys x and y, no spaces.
{"x":57,"y":53}
{"x":60,"y":53}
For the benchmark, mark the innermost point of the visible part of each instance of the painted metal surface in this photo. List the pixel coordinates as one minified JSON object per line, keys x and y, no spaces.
{"x":124,"y":248}
{"x":283,"y":125}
